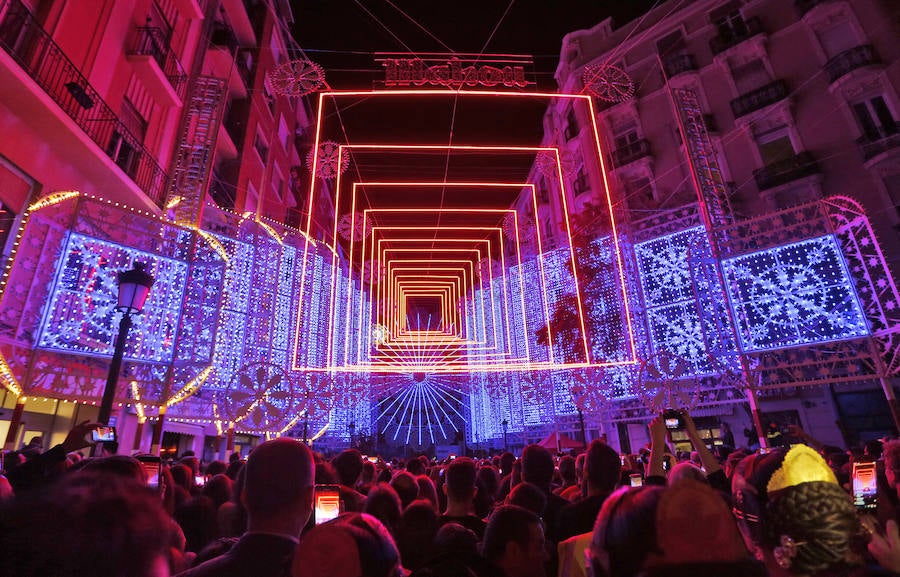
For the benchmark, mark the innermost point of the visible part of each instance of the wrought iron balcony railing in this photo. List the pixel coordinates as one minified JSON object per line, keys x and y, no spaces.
{"x":850,"y":60}
{"x":759,"y":98}
{"x":630,"y":152}
{"x":737,"y":33}
{"x":150,"y":41}
{"x":44,"y":61}
{"x":678,"y":63}
{"x":886,"y":138}
{"x":787,"y":170}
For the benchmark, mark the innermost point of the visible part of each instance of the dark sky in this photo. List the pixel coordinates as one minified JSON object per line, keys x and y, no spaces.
{"x":342,"y":35}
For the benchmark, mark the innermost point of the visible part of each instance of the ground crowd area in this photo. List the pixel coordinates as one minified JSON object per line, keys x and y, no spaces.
{"x":796,"y":508}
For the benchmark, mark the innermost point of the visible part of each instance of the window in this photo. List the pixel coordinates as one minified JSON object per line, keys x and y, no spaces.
{"x":122,"y":152}
{"x":581,"y":184}
{"x":730,"y":24}
{"x":571,"y":125}
{"x":626,"y":140}
{"x":875,"y":118}
{"x":775,"y":146}
{"x":639,"y":189}
{"x":284,"y":135}
{"x":261,"y":148}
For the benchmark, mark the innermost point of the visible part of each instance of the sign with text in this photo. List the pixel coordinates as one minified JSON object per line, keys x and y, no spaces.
{"x":455,"y":71}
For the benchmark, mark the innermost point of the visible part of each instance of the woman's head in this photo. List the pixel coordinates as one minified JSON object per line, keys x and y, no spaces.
{"x":352,"y":545}
{"x":625,"y":531}
{"x":791,"y":509}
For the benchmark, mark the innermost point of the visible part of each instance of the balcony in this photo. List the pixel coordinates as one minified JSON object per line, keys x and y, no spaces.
{"x":733,"y":36}
{"x":787,"y":170}
{"x":157,"y":66}
{"x":226,"y":59}
{"x":850,"y":60}
{"x":630,"y":153}
{"x":759,"y":98}
{"x":50,"y":69}
{"x":877,"y":143}
{"x":679,"y":63}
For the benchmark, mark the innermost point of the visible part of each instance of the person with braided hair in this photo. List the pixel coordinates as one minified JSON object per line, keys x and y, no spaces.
{"x":795,"y":516}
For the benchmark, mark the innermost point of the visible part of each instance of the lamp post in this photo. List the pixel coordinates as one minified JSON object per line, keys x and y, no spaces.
{"x":505,"y":424}
{"x":134,"y":287}
{"x":352,"y":427}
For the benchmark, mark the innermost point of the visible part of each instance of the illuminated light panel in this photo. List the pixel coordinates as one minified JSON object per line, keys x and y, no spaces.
{"x":795,"y":294}
{"x":333,"y":96}
{"x":443,"y":230}
{"x":474,"y":243}
{"x":494,"y":230}
{"x":474,"y":246}
{"x":81,"y":316}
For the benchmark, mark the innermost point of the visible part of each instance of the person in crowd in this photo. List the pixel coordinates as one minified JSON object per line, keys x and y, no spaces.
{"x":460,"y":488}
{"x":231,"y":517}
{"x":384,"y":504}
{"x":683,"y":530}
{"x":793,"y":513}
{"x":44,"y":468}
{"x":368,"y":477}
{"x":566,"y":469}
{"x":406,"y":486}
{"x":575,"y":492}
{"x":528,"y":496}
{"x":514,"y":542}
{"x":348,"y":467}
{"x":599,"y":478}
{"x":278,"y":494}
{"x":428,"y":492}
{"x":727,"y":434}
{"x":537,"y":468}
{"x":90,"y":524}
{"x":415,"y":533}
{"x":352,"y":545}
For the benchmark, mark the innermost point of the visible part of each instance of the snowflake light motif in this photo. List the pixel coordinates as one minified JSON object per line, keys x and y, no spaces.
{"x":295,"y":78}
{"x":509,"y":224}
{"x":351,"y":226}
{"x":260,"y":398}
{"x":607,"y":82}
{"x":794,"y":294}
{"x":665,"y":381}
{"x":327,"y":166}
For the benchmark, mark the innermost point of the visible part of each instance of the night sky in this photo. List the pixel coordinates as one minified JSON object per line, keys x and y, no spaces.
{"x":342,"y":35}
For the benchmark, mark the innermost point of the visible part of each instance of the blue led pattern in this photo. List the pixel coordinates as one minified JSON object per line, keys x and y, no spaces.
{"x":793,"y":295}
{"x":81,"y":316}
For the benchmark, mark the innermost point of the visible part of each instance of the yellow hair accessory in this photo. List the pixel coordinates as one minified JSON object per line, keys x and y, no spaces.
{"x":800,"y":465}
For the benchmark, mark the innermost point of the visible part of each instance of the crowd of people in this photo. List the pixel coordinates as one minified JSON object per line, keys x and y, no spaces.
{"x":720,"y":511}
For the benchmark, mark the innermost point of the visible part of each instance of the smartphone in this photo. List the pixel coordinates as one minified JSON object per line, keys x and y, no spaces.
{"x":200,"y":480}
{"x":865,"y":486}
{"x":150,"y":464}
{"x":103,"y":435}
{"x":673,"y":419}
{"x":636,"y":480}
{"x":328,"y":503}
{"x":373,"y":460}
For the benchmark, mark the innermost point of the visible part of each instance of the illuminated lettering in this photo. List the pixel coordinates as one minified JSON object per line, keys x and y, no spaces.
{"x":414,"y":72}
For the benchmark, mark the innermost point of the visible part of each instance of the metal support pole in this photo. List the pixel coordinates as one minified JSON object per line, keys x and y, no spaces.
{"x":115,"y":367}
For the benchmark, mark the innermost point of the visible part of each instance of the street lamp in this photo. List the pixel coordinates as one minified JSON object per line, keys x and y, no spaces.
{"x":134,"y":287}
{"x":505,"y":424}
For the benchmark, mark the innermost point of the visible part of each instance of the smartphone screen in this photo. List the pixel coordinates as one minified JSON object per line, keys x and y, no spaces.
{"x":328,"y":503}
{"x":636,"y":480}
{"x":103,"y":434}
{"x":150,"y":465}
{"x":865,"y":486}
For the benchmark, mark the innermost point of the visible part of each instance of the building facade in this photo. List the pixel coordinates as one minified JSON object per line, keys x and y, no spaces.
{"x":799,"y":103}
{"x":160,"y":106}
